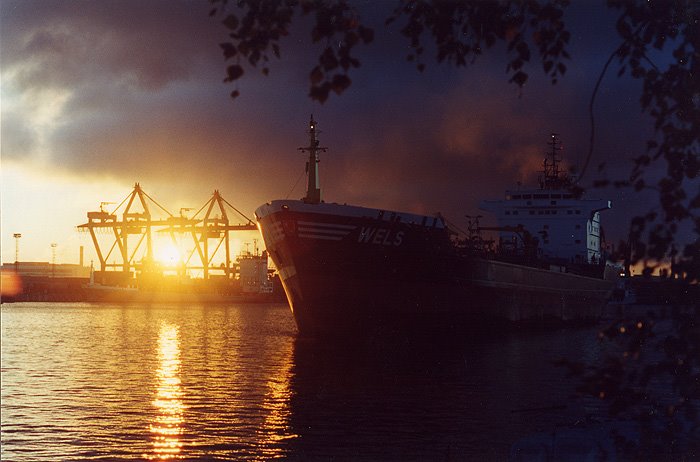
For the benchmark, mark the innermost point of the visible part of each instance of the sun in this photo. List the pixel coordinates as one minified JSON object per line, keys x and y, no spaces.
{"x":168,"y":255}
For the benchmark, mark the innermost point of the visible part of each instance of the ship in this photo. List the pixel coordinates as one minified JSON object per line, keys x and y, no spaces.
{"x":348,"y":270}
{"x":251,"y":282}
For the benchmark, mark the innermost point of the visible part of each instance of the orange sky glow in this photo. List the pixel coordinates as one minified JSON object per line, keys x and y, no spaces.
{"x":88,"y":110}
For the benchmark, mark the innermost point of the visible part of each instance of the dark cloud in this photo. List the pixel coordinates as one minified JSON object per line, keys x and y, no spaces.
{"x":69,"y":43}
{"x":137,"y":93}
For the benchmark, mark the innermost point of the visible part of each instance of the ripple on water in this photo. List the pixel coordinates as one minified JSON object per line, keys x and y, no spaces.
{"x":110,"y":382}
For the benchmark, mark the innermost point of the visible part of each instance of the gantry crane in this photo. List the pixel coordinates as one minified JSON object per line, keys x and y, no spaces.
{"x":136,"y":220}
{"x":214,"y":225}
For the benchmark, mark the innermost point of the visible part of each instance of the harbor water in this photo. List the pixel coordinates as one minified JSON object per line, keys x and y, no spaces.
{"x":234,"y":382}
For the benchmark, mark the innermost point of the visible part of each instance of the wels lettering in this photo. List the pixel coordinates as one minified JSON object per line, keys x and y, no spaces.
{"x":380,"y":236}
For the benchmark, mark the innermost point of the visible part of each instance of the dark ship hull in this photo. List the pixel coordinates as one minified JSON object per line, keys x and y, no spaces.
{"x":352,"y":270}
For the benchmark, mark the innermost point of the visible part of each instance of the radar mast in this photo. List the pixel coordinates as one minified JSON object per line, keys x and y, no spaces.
{"x":313,"y":186}
{"x":552,"y":177}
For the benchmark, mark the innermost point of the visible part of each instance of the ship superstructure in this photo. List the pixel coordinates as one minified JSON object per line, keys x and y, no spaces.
{"x":566,"y":225}
{"x":352,"y":270}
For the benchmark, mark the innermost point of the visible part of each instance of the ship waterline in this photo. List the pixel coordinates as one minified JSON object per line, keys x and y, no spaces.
{"x":351,"y":269}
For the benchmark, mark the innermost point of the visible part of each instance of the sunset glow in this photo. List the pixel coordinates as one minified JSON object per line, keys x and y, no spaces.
{"x":168,"y":255}
{"x":88,"y":111}
{"x":252,"y":230}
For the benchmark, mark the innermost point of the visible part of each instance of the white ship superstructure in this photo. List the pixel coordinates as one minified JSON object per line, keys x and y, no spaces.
{"x":566,"y":225}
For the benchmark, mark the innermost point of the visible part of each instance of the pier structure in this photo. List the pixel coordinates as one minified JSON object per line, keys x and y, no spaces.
{"x":124,"y":238}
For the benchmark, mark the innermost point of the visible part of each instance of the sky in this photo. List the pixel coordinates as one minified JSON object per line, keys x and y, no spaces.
{"x":97,"y":96}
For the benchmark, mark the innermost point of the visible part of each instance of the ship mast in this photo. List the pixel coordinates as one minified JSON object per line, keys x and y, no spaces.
{"x":313,"y":186}
{"x":551,"y":178}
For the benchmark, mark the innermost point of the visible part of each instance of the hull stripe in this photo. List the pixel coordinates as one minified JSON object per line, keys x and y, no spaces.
{"x":304,"y":229}
{"x":320,"y":236}
{"x":326,"y":225}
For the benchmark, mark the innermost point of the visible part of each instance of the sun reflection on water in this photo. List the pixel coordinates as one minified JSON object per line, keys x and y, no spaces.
{"x":167,"y":426}
{"x":276,"y":426}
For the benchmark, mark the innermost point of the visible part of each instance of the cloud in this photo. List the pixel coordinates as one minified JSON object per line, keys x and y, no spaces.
{"x":99,"y":57}
{"x":133,"y":91}
{"x":17,"y":138}
{"x":146,"y":45}
{"x":447,"y":149}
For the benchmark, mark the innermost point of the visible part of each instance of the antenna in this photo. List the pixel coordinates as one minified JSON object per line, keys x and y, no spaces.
{"x":313,"y":187}
{"x":552,"y":178}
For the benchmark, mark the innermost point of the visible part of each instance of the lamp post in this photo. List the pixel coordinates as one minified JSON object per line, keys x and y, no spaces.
{"x":53,"y":259}
{"x":17,"y":236}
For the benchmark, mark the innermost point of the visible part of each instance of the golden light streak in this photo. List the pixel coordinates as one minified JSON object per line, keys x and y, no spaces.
{"x":167,"y":425}
{"x":276,"y":426}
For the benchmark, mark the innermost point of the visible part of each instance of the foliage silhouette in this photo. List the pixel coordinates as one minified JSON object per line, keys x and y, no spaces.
{"x":650,"y":375}
{"x":460,"y":32}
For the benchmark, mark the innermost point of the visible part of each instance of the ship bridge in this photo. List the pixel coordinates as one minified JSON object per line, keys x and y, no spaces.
{"x":567,"y":228}
{"x":565,"y":224}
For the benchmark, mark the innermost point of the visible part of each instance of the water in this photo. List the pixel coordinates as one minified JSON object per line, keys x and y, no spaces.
{"x":109,"y":382}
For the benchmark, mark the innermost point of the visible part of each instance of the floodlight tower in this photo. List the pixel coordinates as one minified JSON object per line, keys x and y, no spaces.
{"x":53,"y":259}
{"x":17,"y":236}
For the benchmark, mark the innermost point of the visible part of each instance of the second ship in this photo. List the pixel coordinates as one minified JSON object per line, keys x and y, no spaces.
{"x":350,"y":270}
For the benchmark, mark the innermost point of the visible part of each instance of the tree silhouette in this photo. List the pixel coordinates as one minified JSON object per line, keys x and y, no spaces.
{"x":532,"y":30}
{"x":461,"y":31}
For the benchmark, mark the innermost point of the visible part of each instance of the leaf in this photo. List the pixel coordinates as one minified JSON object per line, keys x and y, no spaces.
{"x":316,"y":75}
{"x":623,"y":28}
{"x":231,"y":22}
{"x":234,"y":72}
{"x":254,"y":57}
{"x":523,"y":51}
{"x":643,"y":160}
{"x":351,"y":39}
{"x":229,"y":50}
{"x":328,"y":59}
{"x":366,"y":34}
{"x":340,"y":83}
{"x":519,"y":78}
{"x":320,"y":92}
